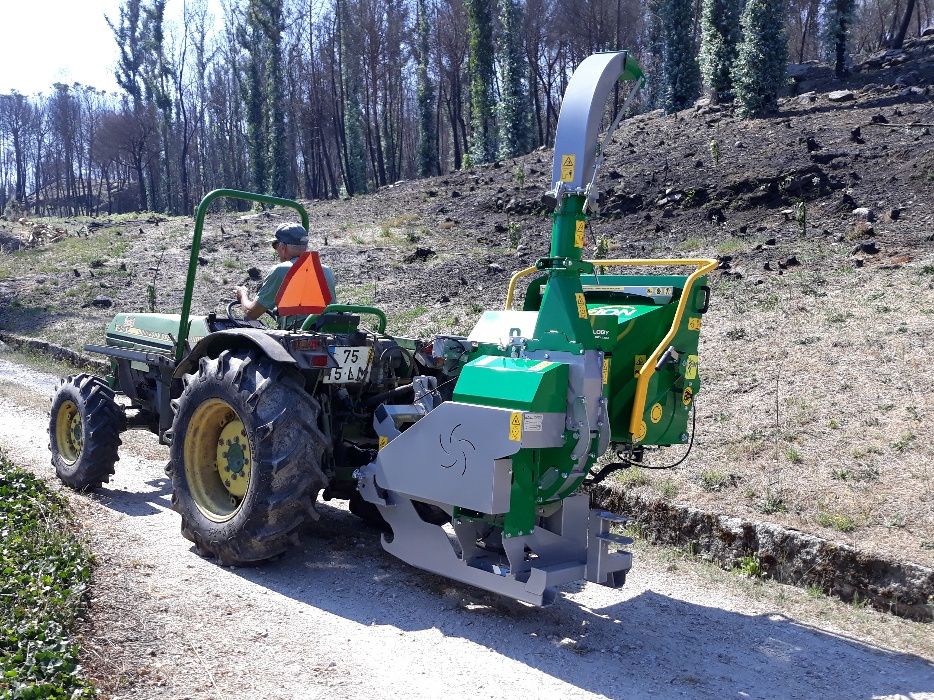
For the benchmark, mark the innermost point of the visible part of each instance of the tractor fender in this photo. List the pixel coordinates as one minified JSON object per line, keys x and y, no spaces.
{"x":234,"y":339}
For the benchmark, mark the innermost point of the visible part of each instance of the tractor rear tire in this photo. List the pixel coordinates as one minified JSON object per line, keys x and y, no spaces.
{"x":276,"y":449}
{"x":85,"y":423}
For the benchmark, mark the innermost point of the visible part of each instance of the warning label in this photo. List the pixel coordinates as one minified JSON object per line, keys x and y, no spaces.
{"x":533,"y":422}
{"x":687,"y":396}
{"x":606,"y":370}
{"x":383,"y":441}
{"x":567,"y":167}
{"x":690,"y":369}
{"x":515,"y":426}
{"x":581,"y":305}
{"x":694,"y":324}
{"x":637,"y":364}
{"x":579,"y":228}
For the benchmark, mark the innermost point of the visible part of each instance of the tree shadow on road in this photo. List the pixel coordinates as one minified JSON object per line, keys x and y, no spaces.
{"x":647,"y":644}
{"x":135,"y":503}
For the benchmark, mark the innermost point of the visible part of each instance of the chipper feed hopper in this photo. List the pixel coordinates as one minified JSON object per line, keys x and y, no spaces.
{"x":473,"y":454}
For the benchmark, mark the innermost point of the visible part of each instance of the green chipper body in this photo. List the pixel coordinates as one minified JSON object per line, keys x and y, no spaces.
{"x":593,"y":360}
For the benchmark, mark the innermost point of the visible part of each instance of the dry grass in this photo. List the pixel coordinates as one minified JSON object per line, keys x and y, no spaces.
{"x":815,"y":397}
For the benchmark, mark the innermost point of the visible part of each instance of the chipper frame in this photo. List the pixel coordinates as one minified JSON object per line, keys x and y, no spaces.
{"x":471,"y":453}
{"x":592,"y":360}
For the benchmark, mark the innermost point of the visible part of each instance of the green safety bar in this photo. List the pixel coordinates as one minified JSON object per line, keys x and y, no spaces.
{"x":350,"y":308}
{"x":196,"y":248}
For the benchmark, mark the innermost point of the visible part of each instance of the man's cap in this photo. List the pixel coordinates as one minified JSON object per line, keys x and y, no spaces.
{"x":291,"y":234}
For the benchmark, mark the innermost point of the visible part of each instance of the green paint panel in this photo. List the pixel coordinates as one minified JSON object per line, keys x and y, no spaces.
{"x":520,"y":384}
{"x":645,"y":306}
{"x":152,"y":332}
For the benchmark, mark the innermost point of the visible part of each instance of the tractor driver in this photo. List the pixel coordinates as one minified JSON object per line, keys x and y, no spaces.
{"x":290,"y":241}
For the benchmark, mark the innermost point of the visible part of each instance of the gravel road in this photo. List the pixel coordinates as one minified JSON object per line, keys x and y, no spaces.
{"x":339,"y":618}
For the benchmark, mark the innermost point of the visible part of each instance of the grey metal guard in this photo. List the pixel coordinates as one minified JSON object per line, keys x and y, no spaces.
{"x":581,"y":115}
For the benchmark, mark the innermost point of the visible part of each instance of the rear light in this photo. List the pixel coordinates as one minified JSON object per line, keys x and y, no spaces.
{"x":319,"y":361}
{"x":306,"y":344}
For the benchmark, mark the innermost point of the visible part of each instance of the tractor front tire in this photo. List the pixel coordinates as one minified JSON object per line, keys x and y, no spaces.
{"x":85,"y":423}
{"x":246,"y":457}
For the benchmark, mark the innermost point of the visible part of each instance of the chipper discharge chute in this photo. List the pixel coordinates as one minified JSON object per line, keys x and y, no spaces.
{"x":493,"y":435}
{"x":591,"y":360}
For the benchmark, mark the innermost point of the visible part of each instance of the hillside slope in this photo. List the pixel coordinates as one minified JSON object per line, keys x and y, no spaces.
{"x":817,"y":409}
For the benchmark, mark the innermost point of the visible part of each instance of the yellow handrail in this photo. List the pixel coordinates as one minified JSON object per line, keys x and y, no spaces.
{"x":511,"y":290}
{"x":703,"y":265}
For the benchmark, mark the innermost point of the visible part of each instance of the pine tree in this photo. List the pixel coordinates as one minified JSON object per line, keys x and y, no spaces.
{"x":654,"y":64}
{"x":513,"y":120}
{"x":157,"y":77}
{"x":720,"y":35}
{"x":480,"y":77}
{"x":759,"y":71}
{"x":424,"y":96}
{"x":249,"y":37}
{"x":269,"y":18}
{"x":682,"y":73}
{"x":838,"y":18}
{"x":352,"y":80}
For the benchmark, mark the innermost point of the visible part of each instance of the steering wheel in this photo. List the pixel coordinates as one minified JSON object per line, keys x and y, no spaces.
{"x":243,"y":322}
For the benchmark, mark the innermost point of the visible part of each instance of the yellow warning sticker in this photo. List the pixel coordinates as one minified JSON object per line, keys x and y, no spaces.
{"x":383,"y":441}
{"x":643,"y":429}
{"x":581,"y":305}
{"x":567,"y":167}
{"x":690,"y":369}
{"x":544,"y":364}
{"x":694,"y":324}
{"x":515,"y":426}
{"x":688,"y":396}
{"x":606,"y":370}
{"x":579,"y":234}
{"x":657,"y":412}
{"x":637,"y":364}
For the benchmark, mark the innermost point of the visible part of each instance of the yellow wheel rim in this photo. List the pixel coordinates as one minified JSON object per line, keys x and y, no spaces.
{"x":218,"y":459}
{"x":69,"y":434}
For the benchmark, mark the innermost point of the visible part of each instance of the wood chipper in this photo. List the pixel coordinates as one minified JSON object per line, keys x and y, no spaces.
{"x":471,"y":453}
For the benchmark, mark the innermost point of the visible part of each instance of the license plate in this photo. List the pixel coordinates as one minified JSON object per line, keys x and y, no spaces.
{"x":353,"y":365}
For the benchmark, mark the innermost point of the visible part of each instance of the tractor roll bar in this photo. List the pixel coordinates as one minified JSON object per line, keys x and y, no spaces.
{"x":200,"y":213}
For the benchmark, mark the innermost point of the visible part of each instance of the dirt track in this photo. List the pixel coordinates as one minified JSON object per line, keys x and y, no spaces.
{"x":340,"y":618}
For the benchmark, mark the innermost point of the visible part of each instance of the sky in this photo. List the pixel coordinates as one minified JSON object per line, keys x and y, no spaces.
{"x":65,"y":41}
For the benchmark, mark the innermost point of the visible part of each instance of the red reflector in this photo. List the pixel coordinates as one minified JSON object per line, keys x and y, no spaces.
{"x":305,"y":344}
{"x":319,"y":361}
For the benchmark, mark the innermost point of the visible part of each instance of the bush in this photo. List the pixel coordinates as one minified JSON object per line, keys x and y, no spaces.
{"x":759,"y":71}
{"x":720,"y":37}
{"x":44,"y":574}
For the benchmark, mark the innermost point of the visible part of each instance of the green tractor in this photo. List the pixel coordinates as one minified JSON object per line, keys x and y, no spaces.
{"x":473,"y":454}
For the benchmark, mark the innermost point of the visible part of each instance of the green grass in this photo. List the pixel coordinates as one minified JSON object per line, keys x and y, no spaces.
{"x":667,"y":488}
{"x":904,"y":440}
{"x":793,"y":456}
{"x":814,"y":591}
{"x":732,"y":245}
{"x":632,"y":477}
{"x":837,"y":521}
{"x":72,"y":251}
{"x":403,"y":319}
{"x":773,"y":503}
{"x":713,"y":480}
{"x":44,"y":574}
{"x":751,"y":566}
